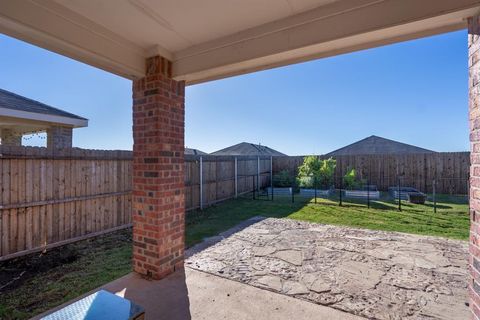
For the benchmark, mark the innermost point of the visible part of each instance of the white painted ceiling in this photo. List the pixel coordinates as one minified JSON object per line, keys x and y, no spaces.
{"x":178,"y":24}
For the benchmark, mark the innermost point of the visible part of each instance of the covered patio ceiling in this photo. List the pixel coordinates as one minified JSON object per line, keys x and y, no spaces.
{"x":212,"y":39}
{"x":237,"y":37}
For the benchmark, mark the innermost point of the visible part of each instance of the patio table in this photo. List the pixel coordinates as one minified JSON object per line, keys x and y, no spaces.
{"x":99,"y":305}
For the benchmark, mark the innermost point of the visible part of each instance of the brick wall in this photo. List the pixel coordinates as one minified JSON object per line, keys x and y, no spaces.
{"x":158,"y":171}
{"x":474,"y":110}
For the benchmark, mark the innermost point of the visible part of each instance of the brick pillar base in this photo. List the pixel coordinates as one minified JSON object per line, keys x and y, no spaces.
{"x":474,"y":106}
{"x":158,"y":171}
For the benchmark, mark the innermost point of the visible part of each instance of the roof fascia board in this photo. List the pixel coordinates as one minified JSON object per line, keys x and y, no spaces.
{"x":59,"y":120}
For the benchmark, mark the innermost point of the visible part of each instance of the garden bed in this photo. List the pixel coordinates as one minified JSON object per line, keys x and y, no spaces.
{"x":362,"y":194}
{"x":417,"y":198}
{"x":318,"y":192}
{"x":280,"y":191}
{"x":407,"y":193}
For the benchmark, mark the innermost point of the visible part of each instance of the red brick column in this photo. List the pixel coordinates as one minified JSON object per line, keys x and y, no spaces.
{"x":158,"y":166}
{"x":474,"y":106}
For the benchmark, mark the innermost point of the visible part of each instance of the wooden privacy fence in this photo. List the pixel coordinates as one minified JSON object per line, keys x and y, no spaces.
{"x":450,"y":170}
{"x":211,"y":179}
{"x":50,"y":198}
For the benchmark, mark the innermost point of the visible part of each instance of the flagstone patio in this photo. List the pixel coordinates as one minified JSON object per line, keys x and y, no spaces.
{"x":374,"y":274}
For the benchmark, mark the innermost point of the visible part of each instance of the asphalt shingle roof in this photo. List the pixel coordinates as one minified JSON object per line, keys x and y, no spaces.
{"x":14,"y":101}
{"x":378,"y":145}
{"x":247,"y":149}
{"x":195,"y":152}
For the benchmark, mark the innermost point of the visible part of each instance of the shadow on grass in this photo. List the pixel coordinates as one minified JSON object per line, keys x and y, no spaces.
{"x":382,"y":206}
{"x":439,"y":206}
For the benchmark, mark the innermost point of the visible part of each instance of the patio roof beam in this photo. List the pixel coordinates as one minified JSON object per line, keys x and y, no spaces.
{"x":338,"y":28}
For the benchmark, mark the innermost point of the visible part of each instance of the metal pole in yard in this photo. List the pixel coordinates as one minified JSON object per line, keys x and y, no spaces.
{"x":293,"y":190}
{"x":253,"y":189}
{"x":368,"y":195}
{"x":434,"y":196}
{"x":315,"y":186}
{"x":236,"y":177}
{"x":271,"y":175}
{"x":340,"y":193}
{"x":201,"y":183}
{"x":399,"y":197}
{"x":258,"y":174}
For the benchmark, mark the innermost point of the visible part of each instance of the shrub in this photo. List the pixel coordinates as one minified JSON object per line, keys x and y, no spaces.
{"x":310,"y":167}
{"x":315,"y":170}
{"x":350,"y":179}
{"x":305,"y":182}
{"x":325,"y":173}
{"x":282,"y":179}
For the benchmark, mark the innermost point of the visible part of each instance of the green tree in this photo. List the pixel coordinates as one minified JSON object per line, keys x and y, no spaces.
{"x":311,"y":165}
{"x":325,"y":173}
{"x":317,"y":172}
{"x":350,"y":179}
{"x":308,"y":171}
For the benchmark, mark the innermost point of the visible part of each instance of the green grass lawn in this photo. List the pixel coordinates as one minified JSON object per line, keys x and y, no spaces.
{"x":451,"y":220}
{"x":62,"y":274}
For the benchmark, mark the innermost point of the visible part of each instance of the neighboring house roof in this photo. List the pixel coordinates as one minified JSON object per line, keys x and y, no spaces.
{"x":247,"y":149}
{"x":15,"y":106}
{"x":377,"y":145}
{"x":194,"y":152}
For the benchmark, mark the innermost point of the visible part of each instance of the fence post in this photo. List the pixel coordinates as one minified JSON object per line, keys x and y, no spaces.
{"x":340,"y":193}
{"x":271,"y":175}
{"x":368,"y":195}
{"x":253,"y":189}
{"x":258,"y":174}
{"x":201,"y":183}
{"x":434,"y":196}
{"x":315,"y":187}
{"x":236,"y":177}
{"x":399,"y":196}
{"x":293,"y":190}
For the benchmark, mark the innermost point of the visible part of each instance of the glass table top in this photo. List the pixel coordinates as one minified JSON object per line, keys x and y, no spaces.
{"x":99,"y":305}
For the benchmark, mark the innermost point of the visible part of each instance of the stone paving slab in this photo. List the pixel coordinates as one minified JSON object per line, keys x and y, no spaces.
{"x":374,"y":274}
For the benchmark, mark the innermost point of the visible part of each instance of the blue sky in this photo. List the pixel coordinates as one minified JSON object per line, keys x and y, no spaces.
{"x":415,"y":92}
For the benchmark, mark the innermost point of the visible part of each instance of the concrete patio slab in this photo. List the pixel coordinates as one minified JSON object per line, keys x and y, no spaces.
{"x":190,"y":294}
{"x":374,"y":274}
